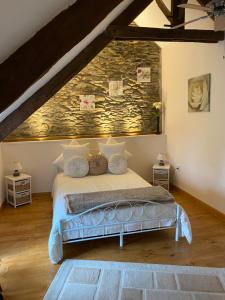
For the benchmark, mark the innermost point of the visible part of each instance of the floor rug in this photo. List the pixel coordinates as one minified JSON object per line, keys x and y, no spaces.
{"x":99,"y":280}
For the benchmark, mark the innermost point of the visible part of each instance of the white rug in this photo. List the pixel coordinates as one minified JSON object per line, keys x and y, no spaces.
{"x":98,"y":280}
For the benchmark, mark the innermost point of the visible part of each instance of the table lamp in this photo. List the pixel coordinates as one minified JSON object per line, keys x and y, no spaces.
{"x":17,"y":168}
{"x":161,"y":159}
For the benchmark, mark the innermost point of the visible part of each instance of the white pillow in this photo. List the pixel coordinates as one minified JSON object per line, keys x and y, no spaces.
{"x":76,"y":166}
{"x":75,"y":150}
{"x":59,"y":161}
{"x":117,"y":164}
{"x":112,"y":140}
{"x":109,"y":149}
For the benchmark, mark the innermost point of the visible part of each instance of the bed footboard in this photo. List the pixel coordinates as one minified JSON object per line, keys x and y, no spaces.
{"x":111,"y":222}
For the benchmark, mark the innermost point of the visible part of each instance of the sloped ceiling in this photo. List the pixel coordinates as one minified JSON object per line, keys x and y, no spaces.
{"x":31,"y":15}
{"x":66,"y":58}
{"x":20,"y":20}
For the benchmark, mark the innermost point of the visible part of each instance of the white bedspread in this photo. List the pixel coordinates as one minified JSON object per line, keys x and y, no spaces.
{"x":66,"y":185}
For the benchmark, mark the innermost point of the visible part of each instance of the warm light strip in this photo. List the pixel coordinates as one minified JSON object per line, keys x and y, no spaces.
{"x":73,"y":137}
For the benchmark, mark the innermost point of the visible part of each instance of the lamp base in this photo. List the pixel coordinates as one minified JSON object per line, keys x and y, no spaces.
{"x":16,"y":173}
{"x":161,"y":163}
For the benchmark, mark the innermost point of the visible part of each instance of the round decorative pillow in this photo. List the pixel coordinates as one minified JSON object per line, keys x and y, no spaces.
{"x":117,"y":164}
{"x":98,"y":165}
{"x":76,"y":166}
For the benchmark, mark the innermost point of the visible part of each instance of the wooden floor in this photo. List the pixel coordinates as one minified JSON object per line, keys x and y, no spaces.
{"x":26,"y":272}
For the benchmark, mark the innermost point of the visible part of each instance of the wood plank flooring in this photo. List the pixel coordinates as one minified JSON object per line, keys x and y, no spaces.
{"x":26,"y":272}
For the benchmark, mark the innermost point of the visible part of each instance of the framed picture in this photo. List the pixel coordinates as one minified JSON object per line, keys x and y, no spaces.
{"x":87,"y":102}
{"x":199,"y":93}
{"x":116,"y":88}
{"x":144,"y":74}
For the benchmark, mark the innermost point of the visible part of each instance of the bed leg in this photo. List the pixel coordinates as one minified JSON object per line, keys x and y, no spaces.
{"x":177,"y":223}
{"x":121,"y":240}
{"x":61,"y":242}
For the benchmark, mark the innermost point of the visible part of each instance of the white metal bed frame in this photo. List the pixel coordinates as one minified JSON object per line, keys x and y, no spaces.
{"x":113,"y":209}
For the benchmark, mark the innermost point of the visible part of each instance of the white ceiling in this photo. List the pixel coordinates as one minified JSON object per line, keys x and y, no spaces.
{"x":21,"y":19}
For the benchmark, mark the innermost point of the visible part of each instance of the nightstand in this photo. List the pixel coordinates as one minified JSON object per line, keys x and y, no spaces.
{"x":18,"y":189}
{"x":161,"y":175}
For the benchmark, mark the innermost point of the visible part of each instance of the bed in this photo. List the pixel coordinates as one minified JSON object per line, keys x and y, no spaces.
{"x":107,"y":222}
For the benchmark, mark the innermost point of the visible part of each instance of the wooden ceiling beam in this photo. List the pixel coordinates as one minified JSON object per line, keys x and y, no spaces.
{"x":129,"y":14}
{"x":178,"y":14}
{"x":168,"y":35}
{"x":203,"y":2}
{"x":165,"y":10}
{"x":74,"y":67}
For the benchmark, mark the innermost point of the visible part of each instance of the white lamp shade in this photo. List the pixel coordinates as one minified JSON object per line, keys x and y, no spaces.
{"x":161,"y":156}
{"x":17,"y":165}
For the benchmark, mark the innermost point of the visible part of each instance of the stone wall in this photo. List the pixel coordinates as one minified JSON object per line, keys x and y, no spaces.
{"x":127,"y":114}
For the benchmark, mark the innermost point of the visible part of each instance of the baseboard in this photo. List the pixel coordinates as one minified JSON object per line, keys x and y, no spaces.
{"x":209,"y":208}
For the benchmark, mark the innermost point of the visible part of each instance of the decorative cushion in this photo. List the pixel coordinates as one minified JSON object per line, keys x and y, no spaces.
{"x":98,"y":165}
{"x":112,"y":140}
{"x":76,"y":166}
{"x":59,"y":161}
{"x":109,"y":149}
{"x":75,"y":150}
{"x":117,"y":164}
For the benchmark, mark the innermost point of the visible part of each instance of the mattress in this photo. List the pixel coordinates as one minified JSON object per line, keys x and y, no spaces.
{"x":110,"y":221}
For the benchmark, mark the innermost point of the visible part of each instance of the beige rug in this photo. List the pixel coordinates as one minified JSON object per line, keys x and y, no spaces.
{"x":98,"y":280}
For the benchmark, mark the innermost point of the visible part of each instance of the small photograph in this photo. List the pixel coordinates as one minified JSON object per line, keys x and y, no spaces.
{"x":144,"y":74}
{"x":116,"y":88}
{"x":199,"y":93}
{"x":87,"y":102}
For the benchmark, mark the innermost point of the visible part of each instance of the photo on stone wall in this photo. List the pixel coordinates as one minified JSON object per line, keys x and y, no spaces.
{"x":115,"y":88}
{"x":144,"y":74}
{"x":87,"y":102}
{"x":199,"y":93}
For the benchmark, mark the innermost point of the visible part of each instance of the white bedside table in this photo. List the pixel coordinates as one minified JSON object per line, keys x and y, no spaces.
{"x":18,"y":189}
{"x":161,"y":175}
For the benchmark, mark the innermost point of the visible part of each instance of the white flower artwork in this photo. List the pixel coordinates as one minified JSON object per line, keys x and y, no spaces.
{"x":87,"y":102}
{"x":199,"y":94}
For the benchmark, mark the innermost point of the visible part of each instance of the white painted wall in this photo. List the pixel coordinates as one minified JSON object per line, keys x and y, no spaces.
{"x":1,"y":177}
{"x":195,"y":141}
{"x":37,"y":157}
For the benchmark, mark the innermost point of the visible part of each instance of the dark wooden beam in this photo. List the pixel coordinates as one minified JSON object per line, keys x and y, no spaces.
{"x":203,"y":2}
{"x":178,"y":14}
{"x":168,"y":35}
{"x":164,"y":10}
{"x":74,"y":67}
{"x":129,"y":14}
{"x":31,"y":61}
